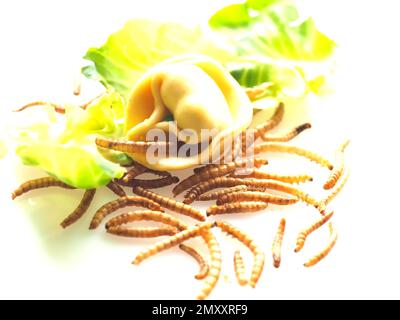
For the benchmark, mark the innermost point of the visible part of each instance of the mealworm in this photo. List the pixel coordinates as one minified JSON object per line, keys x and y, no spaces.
{"x":282,"y":148}
{"x":217,"y":194}
{"x":81,"y":209}
{"x":128,"y":146}
{"x":215,"y":172}
{"x":236,"y":207}
{"x":39,"y":184}
{"x":324,"y":253}
{"x":302,"y":237}
{"x":204,"y":268}
{"x":258,"y":91}
{"x":155,"y":183}
{"x":172,"y":241}
{"x":258,"y":174}
{"x":338,"y":167}
{"x":162,"y":174}
{"x":135,"y":171}
{"x":114,"y":187}
{"x":263,"y":128}
{"x":255,"y":196}
{"x":146,"y":215}
{"x":277,"y":245}
{"x":119,"y":203}
{"x":206,"y":167}
{"x":239,"y":268}
{"x":223,"y":182}
{"x":215,"y":264}
{"x":142,"y":232}
{"x":57,"y":108}
{"x":170,"y":204}
{"x":336,"y":190}
{"x":287,"y":136}
{"x":259,"y":256}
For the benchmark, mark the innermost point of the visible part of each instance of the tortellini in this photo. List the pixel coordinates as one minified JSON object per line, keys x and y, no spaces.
{"x":199,"y":94}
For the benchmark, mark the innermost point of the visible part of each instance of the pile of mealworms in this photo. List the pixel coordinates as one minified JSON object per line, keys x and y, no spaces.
{"x":243,"y":192}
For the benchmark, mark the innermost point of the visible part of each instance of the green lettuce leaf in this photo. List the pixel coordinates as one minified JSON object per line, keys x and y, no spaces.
{"x":298,"y":53}
{"x":141,"y":44}
{"x":64,"y":146}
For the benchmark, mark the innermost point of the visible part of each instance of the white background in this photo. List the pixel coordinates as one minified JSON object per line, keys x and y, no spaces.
{"x":41,"y":44}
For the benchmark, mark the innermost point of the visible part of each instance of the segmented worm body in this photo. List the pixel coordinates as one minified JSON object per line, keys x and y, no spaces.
{"x":155,"y":183}
{"x":217,"y":171}
{"x":277,"y":245}
{"x":57,"y":108}
{"x":336,"y":190}
{"x":255,"y":196}
{"x":240,"y":270}
{"x":287,"y":136}
{"x":338,"y":167}
{"x":81,"y":209}
{"x":270,"y":124}
{"x":172,"y":241}
{"x":129,"y":146}
{"x":122,"y":202}
{"x":259,"y":174}
{"x":324,"y":253}
{"x":283,"y":148}
{"x":170,"y":204}
{"x":204,"y":268}
{"x":217,"y":194}
{"x":215,"y":264}
{"x":302,"y":237}
{"x":259,"y":256}
{"x":142,"y":232}
{"x":236,"y":207}
{"x":114,"y":187}
{"x":39,"y":184}
{"x":146,"y":215}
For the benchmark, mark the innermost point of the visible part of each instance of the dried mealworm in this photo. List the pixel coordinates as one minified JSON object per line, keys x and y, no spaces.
{"x":239,"y":268}
{"x":135,"y":171}
{"x":237,"y":207}
{"x":283,"y":148}
{"x":170,"y":204}
{"x":162,"y":174}
{"x":81,"y":209}
{"x":324,"y":253}
{"x":155,"y":183}
{"x":277,"y":245}
{"x":259,"y":256}
{"x":217,"y":194}
{"x":215,"y":172}
{"x":57,"y":108}
{"x":287,"y":136}
{"x":338,"y":167}
{"x":204,"y":268}
{"x":206,"y":167}
{"x":114,"y":187}
{"x":302,"y":237}
{"x":271,"y":123}
{"x":215,"y":264}
{"x":255,"y":196}
{"x":142,"y":232}
{"x":172,"y":241}
{"x":128,"y":146}
{"x":336,"y":190}
{"x":122,"y":202}
{"x":222,"y":182}
{"x":39,"y":184}
{"x":258,"y":174}
{"x":146,"y":215}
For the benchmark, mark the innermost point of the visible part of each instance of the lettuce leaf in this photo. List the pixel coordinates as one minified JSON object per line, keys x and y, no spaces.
{"x":141,"y":44}
{"x":297,"y":51}
{"x":64,"y":146}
